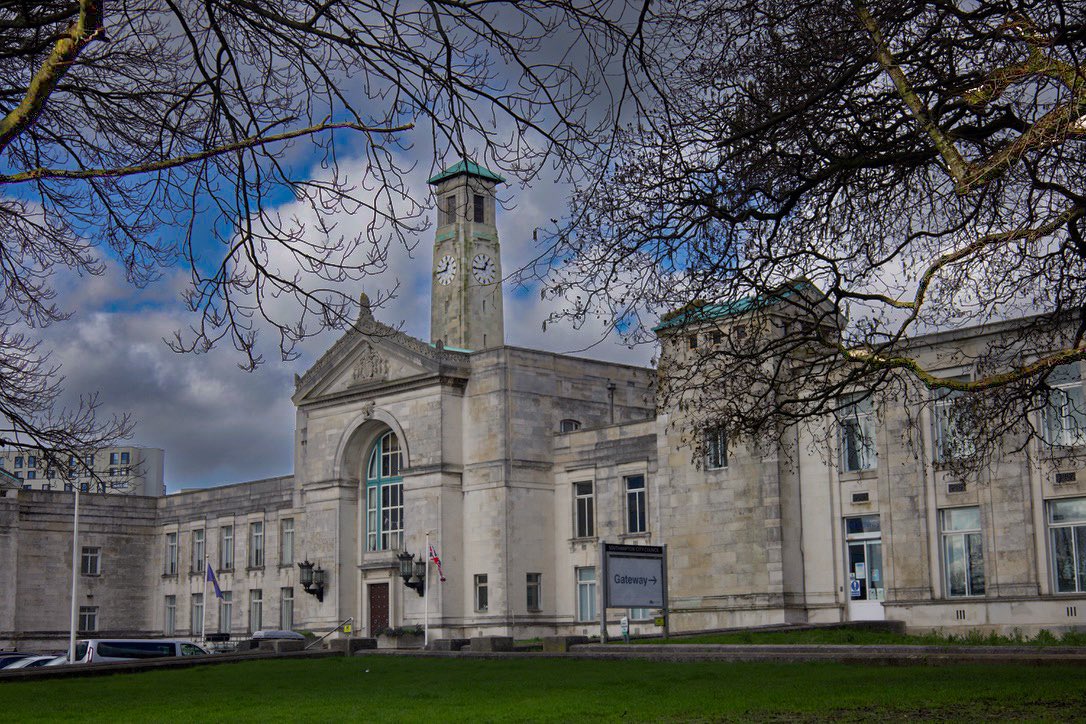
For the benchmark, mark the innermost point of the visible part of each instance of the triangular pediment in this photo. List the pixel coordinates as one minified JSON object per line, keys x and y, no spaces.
{"x":371,"y":355}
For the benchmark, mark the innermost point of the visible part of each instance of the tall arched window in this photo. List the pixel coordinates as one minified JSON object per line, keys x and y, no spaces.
{"x":384,"y":495}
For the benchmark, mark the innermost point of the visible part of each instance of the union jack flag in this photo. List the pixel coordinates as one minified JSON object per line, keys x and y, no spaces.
{"x":437,"y":562}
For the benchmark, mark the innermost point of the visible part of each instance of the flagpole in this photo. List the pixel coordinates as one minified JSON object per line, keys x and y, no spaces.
{"x":203,"y":598}
{"x":75,"y":576}
{"x":426,"y":597}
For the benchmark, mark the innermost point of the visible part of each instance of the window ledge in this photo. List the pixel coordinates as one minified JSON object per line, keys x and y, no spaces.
{"x":90,"y":575}
{"x":634,"y":536}
{"x":855,"y":475}
{"x":169,"y":575}
{"x":286,"y":565}
{"x":250,"y":569}
{"x":589,"y":539}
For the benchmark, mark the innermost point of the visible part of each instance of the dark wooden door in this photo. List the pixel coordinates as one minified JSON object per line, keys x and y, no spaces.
{"x":378,"y":593}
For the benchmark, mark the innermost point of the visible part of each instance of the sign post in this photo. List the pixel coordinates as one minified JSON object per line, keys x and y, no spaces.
{"x":632,"y":576}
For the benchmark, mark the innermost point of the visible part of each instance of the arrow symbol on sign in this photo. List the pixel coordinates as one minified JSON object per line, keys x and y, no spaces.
{"x":654,"y":580}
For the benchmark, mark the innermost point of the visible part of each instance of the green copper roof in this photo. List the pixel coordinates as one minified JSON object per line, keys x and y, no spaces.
{"x":697,"y":312}
{"x":469,"y":167}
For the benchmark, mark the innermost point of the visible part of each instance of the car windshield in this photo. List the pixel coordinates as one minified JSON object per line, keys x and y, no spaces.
{"x":80,"y":650}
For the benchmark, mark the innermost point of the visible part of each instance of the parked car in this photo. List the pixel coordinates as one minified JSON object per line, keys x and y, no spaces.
{"x":10,"y":657}
{"x":30,"y":662}
{"x":101,"y":650}
{"x":278,"y":635}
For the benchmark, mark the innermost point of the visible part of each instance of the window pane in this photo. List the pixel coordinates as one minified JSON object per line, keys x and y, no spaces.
{"x":955,"y":565}
{"x":1063,"y":551}
{"x":976,"y":564}
{"x":961,"y":519}
{"x":1071,"y":510}
{"x":1080,"y":544}
{"x":862,"y":524}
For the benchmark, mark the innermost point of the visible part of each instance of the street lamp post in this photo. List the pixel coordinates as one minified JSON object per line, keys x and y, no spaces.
{"x":75,"y":576}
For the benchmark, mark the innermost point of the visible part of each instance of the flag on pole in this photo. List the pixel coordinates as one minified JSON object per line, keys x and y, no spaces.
{"x":214,"y":582}
{"x":437,"y":562}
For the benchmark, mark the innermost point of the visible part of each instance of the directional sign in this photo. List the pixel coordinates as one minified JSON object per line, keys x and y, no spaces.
{"x":634,"y":576}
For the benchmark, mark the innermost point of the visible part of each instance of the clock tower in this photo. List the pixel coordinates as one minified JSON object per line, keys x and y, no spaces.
{"x":466,"y":288}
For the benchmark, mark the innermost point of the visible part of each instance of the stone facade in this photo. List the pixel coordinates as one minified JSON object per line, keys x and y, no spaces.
{"x":515,"y":465}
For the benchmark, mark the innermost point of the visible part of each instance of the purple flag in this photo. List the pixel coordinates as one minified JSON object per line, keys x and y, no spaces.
{"x":214,"y":582}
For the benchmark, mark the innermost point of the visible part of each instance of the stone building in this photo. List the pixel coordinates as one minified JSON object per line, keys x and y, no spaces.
{"x":518,"y":463}
{"x":118,"y":470}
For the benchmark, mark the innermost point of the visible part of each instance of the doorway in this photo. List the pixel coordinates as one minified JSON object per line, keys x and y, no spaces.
{"x":864,"y":569}
{"x":378,"y":607}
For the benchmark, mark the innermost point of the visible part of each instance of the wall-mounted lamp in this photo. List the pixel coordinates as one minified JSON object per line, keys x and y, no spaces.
{"x":312,"y":579}
{"x":413,"y":572}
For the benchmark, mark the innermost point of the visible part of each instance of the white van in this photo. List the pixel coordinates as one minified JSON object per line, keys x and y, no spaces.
{"x":92,"y":651}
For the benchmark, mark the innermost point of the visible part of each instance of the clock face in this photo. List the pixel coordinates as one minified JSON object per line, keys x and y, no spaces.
{"x":483,"y":267}
{"x":446,"y":270}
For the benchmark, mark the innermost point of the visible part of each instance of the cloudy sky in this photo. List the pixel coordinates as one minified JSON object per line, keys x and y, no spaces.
{"x":219,"y":424}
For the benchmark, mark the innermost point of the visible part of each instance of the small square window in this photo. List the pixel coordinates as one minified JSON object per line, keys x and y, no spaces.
{"x":91,"y":561}
{"x":88,"y":618}
{"x":692,"y":340}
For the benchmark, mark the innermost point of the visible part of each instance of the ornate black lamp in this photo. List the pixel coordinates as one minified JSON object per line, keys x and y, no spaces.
{"x":312,"y":579}
{"x":412,"y":572}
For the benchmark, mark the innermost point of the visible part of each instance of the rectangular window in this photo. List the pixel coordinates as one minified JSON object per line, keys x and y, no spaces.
{"x":586,"y":594}
{"x":716,"y":449}
{"x":256,"y":610}
{"x":171,"y":554}
{"x":114,"y":458}
{"x":226,"y":548}
{"x":479,"y":208}
{"x":91,"y":561}
{"x":256,"y":544}
{"x":692,"y":341}
{"x":50,"y":473}
{"x":952,"y":435}
{"x":635,"y":503}
{"x":963,"y":552}
{"x":31,"y":474}
{"x":482,"y":599}
{"x":584,"y":515}
{"x":286,"y":542}
{"x":124,"y":459}
{"x":31,"y":461}
{"x":534,"y":589}
{"x":1067,"y":528}
{"x":197,"y":551}
{"x":286,"y":609}
{"x":641,"y":614}
{"x":1065,"y":413}
{"x":18,"y":461}
{"x":197,"y":609}
{"x":857,"y":435}
{"x":169,"y":625}
{"x":226,"y":611}
{"x":88,"y":618}
{"x":450,"y":209}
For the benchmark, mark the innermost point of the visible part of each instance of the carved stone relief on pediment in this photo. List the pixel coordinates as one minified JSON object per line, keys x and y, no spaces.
{"x":369,"y":367}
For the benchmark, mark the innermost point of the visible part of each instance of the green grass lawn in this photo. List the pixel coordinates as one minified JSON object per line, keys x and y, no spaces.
{"x":388,"y":688}
{"x":861,"y":637}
